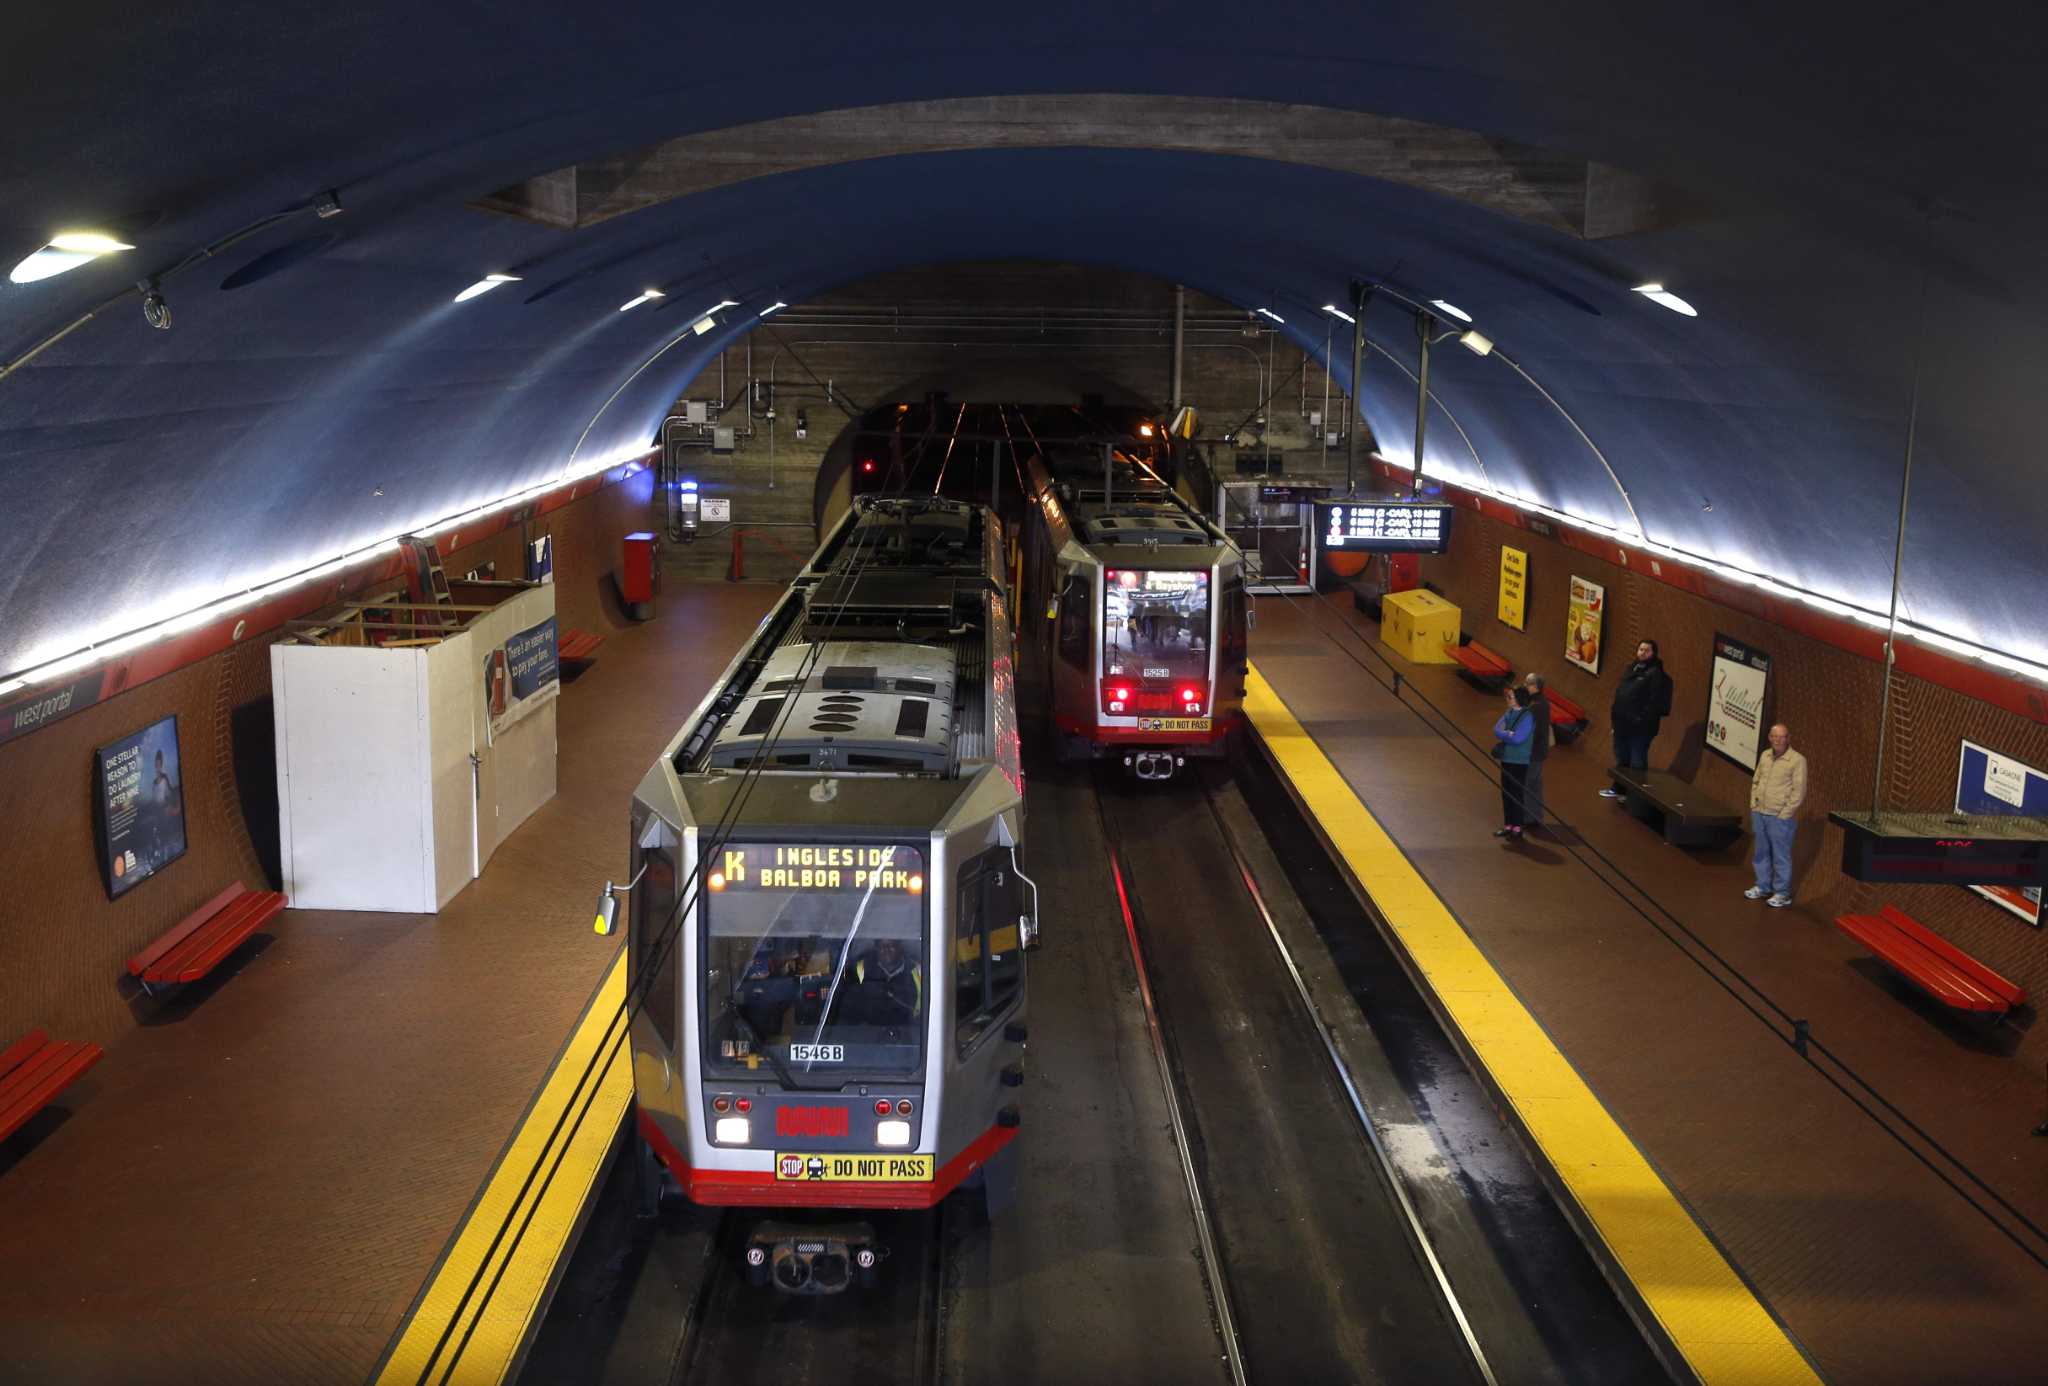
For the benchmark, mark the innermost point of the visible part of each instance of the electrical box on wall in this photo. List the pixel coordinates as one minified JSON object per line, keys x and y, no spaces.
{"x":721,"y":440}
{"x":696,"y":411}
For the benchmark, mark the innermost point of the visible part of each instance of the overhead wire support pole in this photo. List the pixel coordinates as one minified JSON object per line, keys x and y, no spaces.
{"x":1361,"y":295}
{"x":1891,"y":630}
{"x":1424,"y":325}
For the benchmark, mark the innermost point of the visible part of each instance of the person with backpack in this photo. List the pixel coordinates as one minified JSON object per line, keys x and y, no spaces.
{"x":1642,"y":700}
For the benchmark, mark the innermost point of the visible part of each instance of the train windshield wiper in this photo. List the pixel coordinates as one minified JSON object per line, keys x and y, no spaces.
{"x":753,"y":1036}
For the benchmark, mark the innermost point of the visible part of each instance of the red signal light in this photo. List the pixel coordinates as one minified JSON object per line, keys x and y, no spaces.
{"x":881,"y":1106}
{"x":867,"y":466}
{"x":1122,"y":695}
{"x":1189,"y":695}
{"x":743,"y":1104}
{"x":903,"y":1107}
{"x":719,"y":1104}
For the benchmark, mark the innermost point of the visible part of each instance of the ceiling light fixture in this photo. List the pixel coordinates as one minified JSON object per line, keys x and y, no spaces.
{"x":485,"y":285}
{"x":66,"y":251}
{"x":1451,"y":309}
{"x":1269,"y":313}
{"x":773,"y":308}
{"x":1334,"y":311}
{"x":1655,"y":293}
{"x":642,"y":297}
{"x":703,"y":325}
{"x":1476,"y":342}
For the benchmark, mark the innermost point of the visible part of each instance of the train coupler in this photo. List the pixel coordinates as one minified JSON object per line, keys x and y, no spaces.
{"x":802,"y":1259}
{"x":1154,"y":765}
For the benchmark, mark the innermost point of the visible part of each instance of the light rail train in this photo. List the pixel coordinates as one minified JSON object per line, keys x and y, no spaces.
{"x":828,"y":912}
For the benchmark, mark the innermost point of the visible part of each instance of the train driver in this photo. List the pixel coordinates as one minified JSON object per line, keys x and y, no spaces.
{"x":888,"y":989}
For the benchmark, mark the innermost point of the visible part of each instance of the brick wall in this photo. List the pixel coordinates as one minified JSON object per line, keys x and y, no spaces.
{"x":63,"y":944}
{"x":1828,"y":697}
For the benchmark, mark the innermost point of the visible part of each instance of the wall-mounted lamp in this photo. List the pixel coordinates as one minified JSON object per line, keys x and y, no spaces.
{"x":485,"y":285}
{"x":1655,"y":293}
{"x":1476,"y":342}
{"x":65,"y":251}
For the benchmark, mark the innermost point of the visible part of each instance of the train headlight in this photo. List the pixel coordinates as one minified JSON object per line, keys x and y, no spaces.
{"x":893,"y":1133}
{"x":735,"y":1130}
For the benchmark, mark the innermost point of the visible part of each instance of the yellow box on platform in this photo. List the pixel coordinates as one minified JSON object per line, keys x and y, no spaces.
{"x":1418,"y":625}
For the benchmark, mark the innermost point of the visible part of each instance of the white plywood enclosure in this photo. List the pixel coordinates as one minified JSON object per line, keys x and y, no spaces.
{"x":395,"y":781}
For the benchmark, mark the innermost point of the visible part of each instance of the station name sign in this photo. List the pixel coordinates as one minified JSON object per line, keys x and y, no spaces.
{"x":1365,"y":526}
{"x":817,"y":866}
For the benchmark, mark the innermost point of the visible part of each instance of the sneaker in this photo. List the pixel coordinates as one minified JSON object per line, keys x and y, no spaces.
{"x":1755,"y":893}
{"x":1778,"y":902}
{"x":1610,"y":793}
{"x":1502,"y":832}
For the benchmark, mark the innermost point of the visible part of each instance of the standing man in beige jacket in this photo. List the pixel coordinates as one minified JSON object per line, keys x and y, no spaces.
{"x":1775,"y":795}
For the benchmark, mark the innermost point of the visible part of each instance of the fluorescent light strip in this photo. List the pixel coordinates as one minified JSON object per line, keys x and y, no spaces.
{"x":772,"y":308}
{"x":1451,"y":308}
{"x":43,"y":669}
{"x":643,"y":296}
{"x":1269,"y":313}
{"x":485,"y":285}
{"x":1334,"y":311}
{"x":1656,"y":294}
{"x":2026,"y":668}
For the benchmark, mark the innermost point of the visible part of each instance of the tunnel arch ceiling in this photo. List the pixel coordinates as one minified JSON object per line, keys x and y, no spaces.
{"x":244,"y":437}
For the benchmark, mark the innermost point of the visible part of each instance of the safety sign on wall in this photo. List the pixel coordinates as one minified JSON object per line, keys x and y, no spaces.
{"x":716,"y":512}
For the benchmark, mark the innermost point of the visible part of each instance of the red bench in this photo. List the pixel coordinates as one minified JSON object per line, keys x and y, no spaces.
{"x":1567,"y":718}
{"x":577,"y":647}
{"x":1931,"y":963}
{"x":33,"y":1070}
{"x":1480,"y":666}
{"x":204,"y":937}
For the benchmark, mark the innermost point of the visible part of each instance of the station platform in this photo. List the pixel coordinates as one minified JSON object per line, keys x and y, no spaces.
{"x":266,"y":1176}
{"x":1567,"y":973}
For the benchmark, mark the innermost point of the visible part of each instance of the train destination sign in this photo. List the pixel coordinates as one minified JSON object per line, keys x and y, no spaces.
{"x":818,"y":866}
{"x":1365,"y":526}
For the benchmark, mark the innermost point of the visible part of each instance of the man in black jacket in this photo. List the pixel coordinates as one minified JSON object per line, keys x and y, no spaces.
{"x":1640,"y":703}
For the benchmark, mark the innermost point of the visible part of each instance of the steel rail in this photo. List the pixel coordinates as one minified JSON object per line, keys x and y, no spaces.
{"x":1418,"y":1236}
{"x":1212,"y":1261}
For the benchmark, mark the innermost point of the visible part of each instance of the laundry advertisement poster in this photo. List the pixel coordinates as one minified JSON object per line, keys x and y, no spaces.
{"x":141,"y":805}
{"x":1585,"y":623}
{"x":1988,"y":783}
{"x":1735,"y":701}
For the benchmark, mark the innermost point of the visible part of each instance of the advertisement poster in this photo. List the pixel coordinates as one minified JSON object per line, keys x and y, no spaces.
{"x":141,"y":805}
{"x":521,"y":675}
{"x":1735,"y":701}
{"x":1514,"y":585}
{"x":1584,"y":623}
{"x":1988,"y":782}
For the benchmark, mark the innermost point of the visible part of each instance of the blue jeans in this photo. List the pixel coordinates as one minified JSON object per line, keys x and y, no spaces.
{"x":1773,"y":855}
{"x":1632,"y":749}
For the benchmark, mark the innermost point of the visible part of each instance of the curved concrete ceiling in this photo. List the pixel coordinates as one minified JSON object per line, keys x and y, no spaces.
{"x":1857,"y":228}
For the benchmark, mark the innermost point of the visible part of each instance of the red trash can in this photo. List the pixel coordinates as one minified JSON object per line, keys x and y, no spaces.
{"x":639,"y":575}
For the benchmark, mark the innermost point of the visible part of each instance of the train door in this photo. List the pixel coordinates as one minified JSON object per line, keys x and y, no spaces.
{"x":655,"y":949}
{"x":987,"y":995}
{"x":1232,"y":649}
{"x":1071,"y":687}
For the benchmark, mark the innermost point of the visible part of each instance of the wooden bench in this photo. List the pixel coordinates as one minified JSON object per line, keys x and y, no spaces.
{"x":577,"y":647}
{"x":1480,"y":666}
{"x":203,"y":938}
{"x":1567,"y":718}
{"x":1931,"y":963}
{"x":1687,"y":817}
{"x":33,"y":1070}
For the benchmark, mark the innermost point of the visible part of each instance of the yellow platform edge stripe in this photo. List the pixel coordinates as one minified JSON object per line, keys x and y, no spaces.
{"x":1725,"y":1334}
{"x":497,"y":1325}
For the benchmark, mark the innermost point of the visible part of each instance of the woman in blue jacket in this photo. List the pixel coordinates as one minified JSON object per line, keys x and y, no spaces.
{"x":1512,"y":735}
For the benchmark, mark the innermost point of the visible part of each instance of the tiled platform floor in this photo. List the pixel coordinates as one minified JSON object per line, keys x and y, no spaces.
{"x":260,"y":1182}
{"x":1874,"y":1265}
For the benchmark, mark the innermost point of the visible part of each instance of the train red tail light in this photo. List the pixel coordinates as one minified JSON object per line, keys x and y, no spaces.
{"x":743,"y":1104}
{"x":882,"y":1105}
{"x":903,"y":1107}
{"x":1122,"y":695}
{"x":867,"y":466}
{"x":1191,"y":695}
{"x":721,"y":1104}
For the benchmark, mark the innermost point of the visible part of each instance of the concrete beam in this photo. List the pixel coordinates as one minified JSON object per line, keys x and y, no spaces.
{"x":1553,"y":190}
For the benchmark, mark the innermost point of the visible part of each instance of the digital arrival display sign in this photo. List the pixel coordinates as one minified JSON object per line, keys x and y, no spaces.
{"x":1369,"y":526}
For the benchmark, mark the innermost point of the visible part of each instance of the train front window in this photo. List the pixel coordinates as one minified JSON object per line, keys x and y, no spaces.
{"x":814,"y":962}
{"x":1155,"y":624}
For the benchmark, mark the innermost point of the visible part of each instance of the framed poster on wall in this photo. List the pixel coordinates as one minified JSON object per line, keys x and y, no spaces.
{"x":1735,"y":701}
{"x":140,"y":806}
{"x":1514,"y":585}
{"x":1585,"y":622}
{"x":1987,"y":782}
